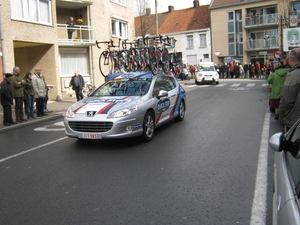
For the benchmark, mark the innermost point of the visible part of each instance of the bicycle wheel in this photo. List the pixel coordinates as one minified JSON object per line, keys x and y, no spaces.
{"x":105,"y":64}
{"x":122,"y":61}
{"x":165,"y":61}
{"x":154,"y":60}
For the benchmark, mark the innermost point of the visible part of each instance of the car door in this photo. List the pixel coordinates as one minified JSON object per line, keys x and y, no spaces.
{"x":165,"y":104}
{"x":287,"y":204}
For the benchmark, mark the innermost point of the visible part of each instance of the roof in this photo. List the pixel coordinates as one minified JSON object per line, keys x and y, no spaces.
{"x":223,"y":3}
{"x":176,"y":21}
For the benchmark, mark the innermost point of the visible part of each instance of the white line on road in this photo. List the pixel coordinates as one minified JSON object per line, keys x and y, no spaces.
{"x":235,"y":85}
{"x":259,"y":204}
{"x":32,"y":149}
{"x":250,"y":85}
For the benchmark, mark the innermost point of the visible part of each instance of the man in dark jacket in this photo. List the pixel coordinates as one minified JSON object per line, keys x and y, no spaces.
{"x":77,"y":84}
{"x":246,"y":68}
{"x":289,"y":107}
{"x":7,"y":99}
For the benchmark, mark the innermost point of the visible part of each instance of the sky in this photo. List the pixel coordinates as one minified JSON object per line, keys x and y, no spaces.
{"x":162,"y":5}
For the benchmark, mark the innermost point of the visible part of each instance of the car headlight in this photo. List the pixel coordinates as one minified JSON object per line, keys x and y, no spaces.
{"x":122,"y":112}
{"x":70,"y":113}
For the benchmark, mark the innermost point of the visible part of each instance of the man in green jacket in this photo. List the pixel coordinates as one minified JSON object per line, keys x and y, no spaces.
{"x":277,"y":79}
{"x":17,"y":84}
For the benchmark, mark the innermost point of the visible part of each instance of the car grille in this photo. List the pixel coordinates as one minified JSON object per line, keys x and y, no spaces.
{"x":91,"y":126}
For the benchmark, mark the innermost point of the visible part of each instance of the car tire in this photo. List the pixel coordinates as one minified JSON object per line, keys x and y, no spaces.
{"x":181,"y":111}
{"x":148,"y":127}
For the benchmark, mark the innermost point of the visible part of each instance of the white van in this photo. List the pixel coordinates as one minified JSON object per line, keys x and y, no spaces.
{"x":206,"y":73}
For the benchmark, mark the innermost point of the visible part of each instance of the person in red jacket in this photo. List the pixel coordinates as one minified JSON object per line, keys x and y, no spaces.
{"x":257,"y":70}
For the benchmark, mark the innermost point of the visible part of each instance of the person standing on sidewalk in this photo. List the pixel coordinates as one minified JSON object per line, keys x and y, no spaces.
{"x":39,"y":91}
{"x":18,"y":93}
{"x":7,"y":99}
{"x":276,"y":79}
{"x":289,"y":106}
{"x":29,"y":96}
{"x":77,"y":84}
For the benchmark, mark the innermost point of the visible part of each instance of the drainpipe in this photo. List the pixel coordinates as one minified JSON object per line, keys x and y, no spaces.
{"x":92,"y":48}
{"x":2,"y":41}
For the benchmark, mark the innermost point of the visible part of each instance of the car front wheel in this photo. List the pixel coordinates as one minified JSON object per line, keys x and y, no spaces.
{"x":181,"y":112}
{"x":148,"y":127}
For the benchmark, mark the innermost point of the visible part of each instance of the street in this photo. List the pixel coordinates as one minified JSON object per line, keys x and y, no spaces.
{"x":199,"y":171}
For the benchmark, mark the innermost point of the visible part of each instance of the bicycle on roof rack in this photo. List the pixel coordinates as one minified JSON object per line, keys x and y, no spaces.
{"x":152,"y":53}
{"x":109,"y":60}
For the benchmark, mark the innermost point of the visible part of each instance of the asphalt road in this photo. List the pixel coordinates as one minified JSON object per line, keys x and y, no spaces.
{"x":199,"y":171}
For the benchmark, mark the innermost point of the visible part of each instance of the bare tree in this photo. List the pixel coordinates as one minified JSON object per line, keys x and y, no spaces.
{"x":141,"y":8}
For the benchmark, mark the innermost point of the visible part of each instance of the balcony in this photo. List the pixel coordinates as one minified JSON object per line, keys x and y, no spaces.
{"x":82,"y":36}
{"x":73,"y":4}
{"x":262,"y":20}
{"x":262,"y":44}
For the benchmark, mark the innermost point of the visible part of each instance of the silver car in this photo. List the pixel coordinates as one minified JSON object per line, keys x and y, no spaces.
{"x":127,"y":105}
{"x":286,"y":203}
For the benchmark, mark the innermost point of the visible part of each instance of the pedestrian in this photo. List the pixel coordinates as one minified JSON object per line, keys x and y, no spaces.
{"x":276,"y":79}
{"x":231,"y":69}
{"x":17,"y":83}
{"x":77,"y":84}
{"x":29,"y":96}
{"x":39,"y":91}
{"x":222,"y":70}
{"x":246,"y":69}
{"x":241,"y":70}
{"x":46,"y":98}
{"x":252,"y":70}
{"x":70,"y":25}
{"x":7,"y":99}
{"x":289,"y":106}
{"x":226,"y":70}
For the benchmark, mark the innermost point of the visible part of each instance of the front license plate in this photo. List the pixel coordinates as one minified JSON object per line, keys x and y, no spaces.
{"x":90,"y":136}
{"x":207,"y":77}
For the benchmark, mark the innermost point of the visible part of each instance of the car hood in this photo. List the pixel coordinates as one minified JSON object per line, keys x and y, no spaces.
{"x":208,"y":72}
{"x":105,"y":105}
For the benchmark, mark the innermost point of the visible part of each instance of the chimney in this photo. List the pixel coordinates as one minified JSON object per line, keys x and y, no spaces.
{"x":148,"y":12}
{"x":171,"y":8}
{"x":196,"y":3}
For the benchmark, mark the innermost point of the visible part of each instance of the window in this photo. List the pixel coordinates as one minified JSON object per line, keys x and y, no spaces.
{"x":121,"y":2}
{"x":230,"y":16}
{"x":119,"y":28}
{"x":190,"y":41}
{"x":38,"y":11}
{"x":203,"y":40}
{"x":205,"y":56}
{"x":73,"y":59}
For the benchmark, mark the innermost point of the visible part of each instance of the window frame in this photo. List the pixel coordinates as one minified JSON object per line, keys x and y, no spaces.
{"x":190,"y":41}
{"x":203,"y":41}
{"x":120,"y":2}
{"x":27,"y":11}
{"x":119,"y":28}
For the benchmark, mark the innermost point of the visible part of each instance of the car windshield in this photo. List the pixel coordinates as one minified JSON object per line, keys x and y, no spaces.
{"x":121,"y":87}
{"x":207,"y":68}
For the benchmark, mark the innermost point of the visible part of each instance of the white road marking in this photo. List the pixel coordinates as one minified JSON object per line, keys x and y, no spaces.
{"x":206,"y":85}
{"x":259,"y":204}
{"x":264,"y":85}
{"x":250,"y":85}
{"x":235,"y":85}
{"x":59,"y":126}
{"x":32,"y":149}
{"x":220,"y":85}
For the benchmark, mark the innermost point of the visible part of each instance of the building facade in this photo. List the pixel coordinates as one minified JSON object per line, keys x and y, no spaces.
{"x":190,"y":27}
{"x":249,"y":30}
{"x":34,"y":33}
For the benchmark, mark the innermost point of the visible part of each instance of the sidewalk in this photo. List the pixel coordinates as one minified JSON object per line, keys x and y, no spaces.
{"x":57,"y":110}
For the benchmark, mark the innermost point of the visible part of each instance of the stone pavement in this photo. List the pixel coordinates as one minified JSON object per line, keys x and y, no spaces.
{"x":57,"y":110}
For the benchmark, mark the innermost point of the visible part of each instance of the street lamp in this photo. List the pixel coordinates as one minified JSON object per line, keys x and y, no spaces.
{"x":156,"y":19}
{"x":217,"y":53}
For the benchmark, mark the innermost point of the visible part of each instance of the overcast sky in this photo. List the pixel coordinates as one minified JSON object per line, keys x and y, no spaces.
{"x":162,"y":5}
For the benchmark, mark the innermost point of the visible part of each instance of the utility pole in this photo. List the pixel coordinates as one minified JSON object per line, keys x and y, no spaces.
{"x":156,"y":19}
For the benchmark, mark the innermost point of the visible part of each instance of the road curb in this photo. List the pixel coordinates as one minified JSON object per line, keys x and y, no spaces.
{"x":31,"y":122}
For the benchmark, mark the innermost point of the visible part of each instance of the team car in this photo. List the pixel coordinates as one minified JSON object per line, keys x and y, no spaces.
{"x":206,"y":73}
{"x":127,"y":105}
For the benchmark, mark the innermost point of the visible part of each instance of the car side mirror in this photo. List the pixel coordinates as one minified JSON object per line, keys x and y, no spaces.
{"x":276,"y":142}
{"x":162,"y":94}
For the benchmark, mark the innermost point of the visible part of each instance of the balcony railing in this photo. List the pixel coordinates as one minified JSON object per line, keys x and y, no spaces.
{"x":256,"y":44}
{"x":268,"y":19}
{"x":90,"y":2}
{"x":82,"y":35}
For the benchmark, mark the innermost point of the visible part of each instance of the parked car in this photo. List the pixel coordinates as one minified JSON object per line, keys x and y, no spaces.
{"x":127,"y":105}
{"x":206,"y":73}
{"x":286,"y":202}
